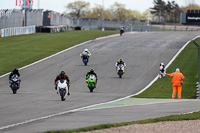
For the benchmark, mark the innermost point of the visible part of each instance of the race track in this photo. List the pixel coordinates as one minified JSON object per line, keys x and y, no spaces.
{"x":142,"y":52}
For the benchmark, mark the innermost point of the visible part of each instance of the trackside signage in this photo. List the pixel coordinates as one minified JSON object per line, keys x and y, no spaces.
{"x":192,"y":17}
{"x":17,"y":31}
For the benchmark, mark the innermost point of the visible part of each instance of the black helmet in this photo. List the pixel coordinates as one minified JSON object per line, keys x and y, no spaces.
{"x":15,"y":70}
{"x":121,"y":60}
{"x":92,"y":70}
{"x":62,"y":74}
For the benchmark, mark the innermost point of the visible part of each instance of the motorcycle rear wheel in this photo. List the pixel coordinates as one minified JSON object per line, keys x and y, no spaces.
{"x":14,"y":91}
{"x":62,"y":95}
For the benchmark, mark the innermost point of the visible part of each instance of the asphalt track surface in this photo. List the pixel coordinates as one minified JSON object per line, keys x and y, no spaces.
{"x":37,"y":97}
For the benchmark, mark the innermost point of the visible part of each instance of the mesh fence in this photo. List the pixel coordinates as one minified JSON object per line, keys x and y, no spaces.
{"x":93,"y":24}
{"x":51,"y":18}
{"x":20,"y":18}
{"x":11,"y":18}
{"x":34,"y":17}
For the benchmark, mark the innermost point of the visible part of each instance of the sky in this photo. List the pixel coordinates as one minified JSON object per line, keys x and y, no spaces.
{"x":59,"y":5}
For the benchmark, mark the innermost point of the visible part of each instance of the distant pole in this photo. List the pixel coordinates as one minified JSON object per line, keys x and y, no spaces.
{"x":102,"y":15}
{"x":198,"y":60}
{"x":38,"y":4}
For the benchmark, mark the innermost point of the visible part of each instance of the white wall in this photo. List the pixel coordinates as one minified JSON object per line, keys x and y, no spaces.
{"x":17,"y":31}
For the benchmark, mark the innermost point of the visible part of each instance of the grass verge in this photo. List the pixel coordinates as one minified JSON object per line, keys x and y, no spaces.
{"x":191,"y":116}
{"x":19,"y":51}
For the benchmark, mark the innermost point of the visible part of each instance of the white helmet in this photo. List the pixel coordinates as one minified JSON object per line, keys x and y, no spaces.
{"x":177,"y":70}
{"x":86,"y":50}
{"x":161,"y":64}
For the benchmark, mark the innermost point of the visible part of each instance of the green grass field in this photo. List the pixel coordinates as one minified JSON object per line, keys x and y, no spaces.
{"x":18,"y":51}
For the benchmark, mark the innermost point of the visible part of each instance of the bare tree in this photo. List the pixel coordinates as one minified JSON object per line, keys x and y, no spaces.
{"x":119,"y":11}
{"x":78,"y":8}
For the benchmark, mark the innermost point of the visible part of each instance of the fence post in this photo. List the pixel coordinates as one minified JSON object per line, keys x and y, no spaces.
{"x":198,"y":90}
{"x":198,"y":86}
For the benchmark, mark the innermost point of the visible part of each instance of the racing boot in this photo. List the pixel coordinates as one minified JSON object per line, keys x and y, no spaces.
{"x":68,"y":91}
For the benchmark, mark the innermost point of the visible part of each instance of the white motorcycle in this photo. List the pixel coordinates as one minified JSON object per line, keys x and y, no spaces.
{"x":120,"y":70}
{"x":62,"y":89}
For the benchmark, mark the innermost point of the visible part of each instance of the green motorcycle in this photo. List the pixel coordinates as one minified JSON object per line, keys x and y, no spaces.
{"x":91,"y":82}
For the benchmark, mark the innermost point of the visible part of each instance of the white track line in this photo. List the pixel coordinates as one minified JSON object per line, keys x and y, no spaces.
{"x":78,"y":109}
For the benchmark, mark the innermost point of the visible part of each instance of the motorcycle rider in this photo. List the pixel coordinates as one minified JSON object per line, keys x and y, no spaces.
{"x":86,"y":52}
{"x":91,"y":72}
{"x":121,"y":30}
{"x":162,"y":70}
{"x":14,"y":72}
{"x":120,"y":61}
{"x":63,"y":76}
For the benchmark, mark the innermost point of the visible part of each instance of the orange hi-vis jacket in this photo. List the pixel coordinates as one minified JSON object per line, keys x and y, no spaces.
{"x":177,"y":78}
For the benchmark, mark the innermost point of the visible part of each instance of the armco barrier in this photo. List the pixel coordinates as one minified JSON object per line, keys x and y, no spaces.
{"x":17,"y":31}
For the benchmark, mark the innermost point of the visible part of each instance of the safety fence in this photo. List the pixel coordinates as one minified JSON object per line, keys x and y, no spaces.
{"x":91,"y":24}
{"x":51,"y":18}
{"x":19,"y":18}
{"x":17,"y":31}
{"x":11,"y":20}
{"x":139,"y":26}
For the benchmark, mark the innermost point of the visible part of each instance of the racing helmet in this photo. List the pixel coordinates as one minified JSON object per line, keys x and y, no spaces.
{"x":15,"y":70}
{"x":62,"y":74}
{"x":86,"y":50}
{"x":92,"y":70}
{"x":121,"y":60}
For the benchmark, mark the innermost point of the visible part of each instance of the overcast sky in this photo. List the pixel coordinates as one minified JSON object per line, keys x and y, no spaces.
{"x":59,"y":5}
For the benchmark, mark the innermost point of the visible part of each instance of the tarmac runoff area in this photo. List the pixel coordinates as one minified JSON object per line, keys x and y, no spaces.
{"x":134,"y":101}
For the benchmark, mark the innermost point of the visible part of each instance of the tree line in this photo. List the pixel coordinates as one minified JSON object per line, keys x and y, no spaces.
{"x":161,"y":11}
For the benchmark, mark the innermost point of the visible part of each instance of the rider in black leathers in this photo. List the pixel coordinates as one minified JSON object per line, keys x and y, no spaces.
{"x":91,"y":72}
{"x":14,"y":72}
{"x":60,"y":76}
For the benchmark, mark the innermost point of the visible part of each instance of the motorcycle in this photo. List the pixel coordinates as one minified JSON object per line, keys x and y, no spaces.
{"x":85,"y":59}
{"x":15,"y":83}
{"x":121,"y":32}
{"x":120,"y":70}
{"x":62,"y":89}
{"x":91,"y":82}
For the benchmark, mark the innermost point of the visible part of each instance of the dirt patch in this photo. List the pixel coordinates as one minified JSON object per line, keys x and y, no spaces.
{"x":189,"y":126}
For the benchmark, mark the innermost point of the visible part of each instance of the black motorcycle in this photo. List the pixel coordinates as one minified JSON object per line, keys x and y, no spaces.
{"x":121,"y":32}
{"x":85,"y":59}
{"x":15,"y":83}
